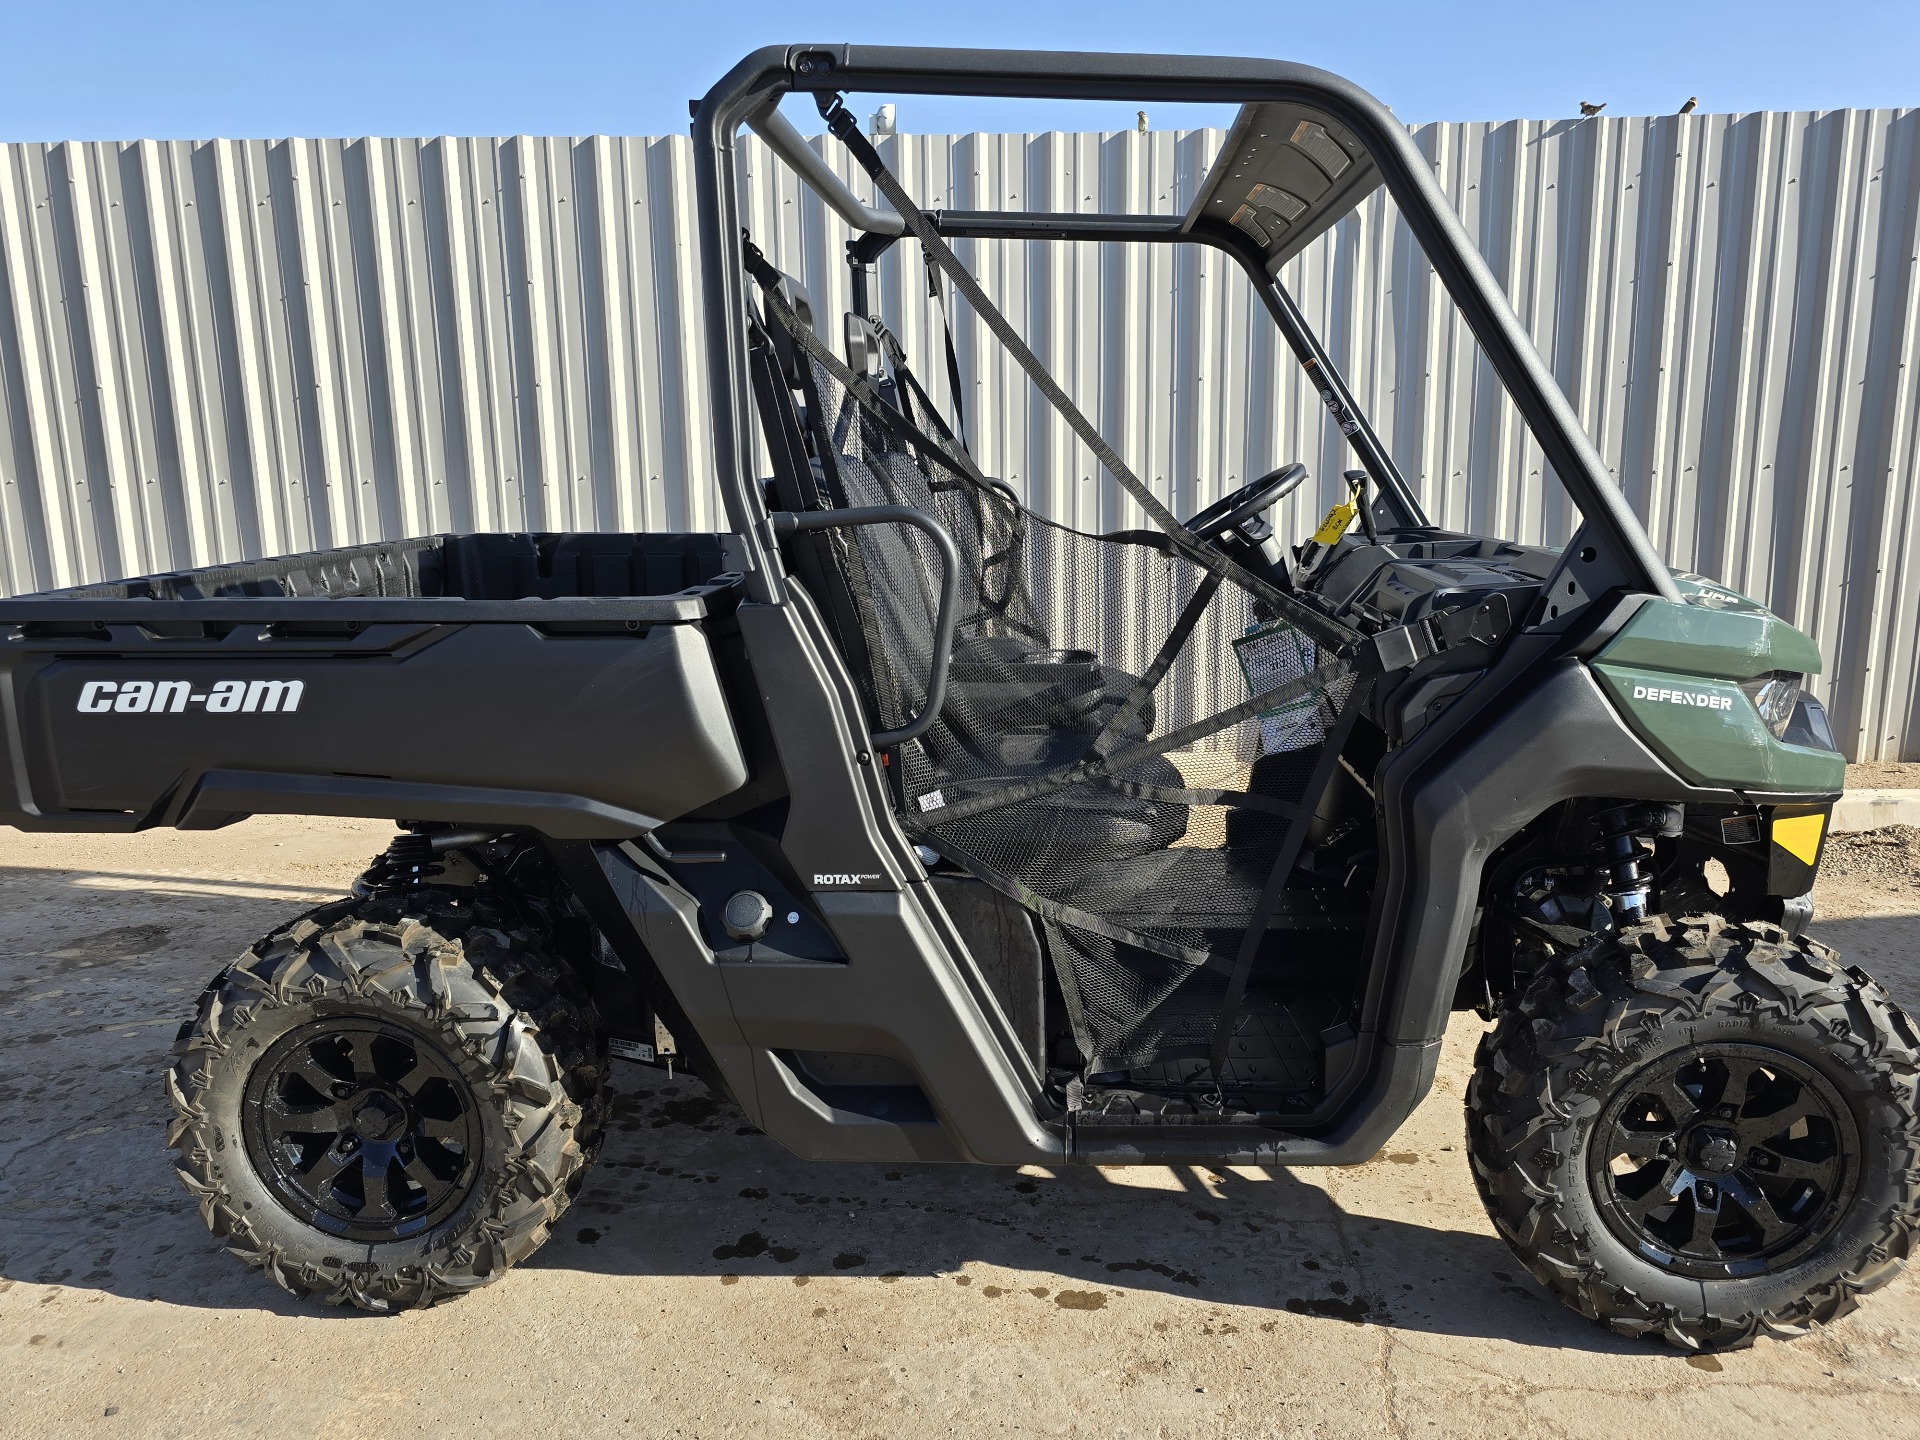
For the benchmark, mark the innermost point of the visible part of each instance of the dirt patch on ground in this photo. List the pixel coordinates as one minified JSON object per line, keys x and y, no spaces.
{"x":1889,"y":857}
{"x":1884,"y":775}
{"x":708,"y":1283}
{"x":1204,"y":770}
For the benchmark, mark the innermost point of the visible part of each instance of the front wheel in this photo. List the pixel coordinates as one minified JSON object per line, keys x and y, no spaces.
{"x":1701,"y":1130}
{"x":382,"y":1110}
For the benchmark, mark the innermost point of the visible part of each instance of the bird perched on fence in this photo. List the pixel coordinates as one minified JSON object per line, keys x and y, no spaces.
{"x":1587,"y":107}
{"x":1692,"y":100}
{"x":1143,"y":121}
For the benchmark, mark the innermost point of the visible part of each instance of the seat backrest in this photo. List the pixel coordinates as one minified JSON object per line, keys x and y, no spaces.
{"x":815,"y":557}
{"x":837,"y":442}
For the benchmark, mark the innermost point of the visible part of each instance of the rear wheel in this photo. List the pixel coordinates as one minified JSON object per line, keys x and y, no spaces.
{"x":385,"y":1111}
{"x":1701,"y":1130}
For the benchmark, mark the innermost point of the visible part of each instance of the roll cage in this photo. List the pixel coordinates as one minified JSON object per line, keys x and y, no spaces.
{"x":1611,"y":552}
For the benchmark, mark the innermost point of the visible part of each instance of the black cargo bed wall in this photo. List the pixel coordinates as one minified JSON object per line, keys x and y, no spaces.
{"x":509,"y":566}
{"x":553,"y":567}
{"x":393,"y":568}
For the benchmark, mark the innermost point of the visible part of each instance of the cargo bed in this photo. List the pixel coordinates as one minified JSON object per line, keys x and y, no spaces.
{"x":564,"y":683}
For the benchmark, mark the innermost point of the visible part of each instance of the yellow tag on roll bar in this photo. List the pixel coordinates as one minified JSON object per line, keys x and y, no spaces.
{"x":1336,"y":523}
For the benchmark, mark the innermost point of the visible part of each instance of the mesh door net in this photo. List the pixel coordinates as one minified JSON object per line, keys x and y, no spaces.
{"x":1128,"y":736}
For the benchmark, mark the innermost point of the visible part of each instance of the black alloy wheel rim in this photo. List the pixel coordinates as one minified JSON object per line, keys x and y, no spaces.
{"x":363,"y":1129}
{"x":1724,"y":1161}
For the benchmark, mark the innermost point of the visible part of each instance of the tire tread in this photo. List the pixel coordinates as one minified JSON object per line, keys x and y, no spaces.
{"x":1542,"y":1073}
{"x":522,"y":1030}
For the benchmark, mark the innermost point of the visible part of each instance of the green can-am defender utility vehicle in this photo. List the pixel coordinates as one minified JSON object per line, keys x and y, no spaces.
{"x":930,"y":829}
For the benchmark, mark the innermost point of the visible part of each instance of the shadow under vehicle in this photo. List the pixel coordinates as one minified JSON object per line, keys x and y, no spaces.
{"x":931,"y":829}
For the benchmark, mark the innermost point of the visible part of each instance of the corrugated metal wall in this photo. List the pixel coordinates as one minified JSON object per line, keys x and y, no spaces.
{"x":225,"y":349}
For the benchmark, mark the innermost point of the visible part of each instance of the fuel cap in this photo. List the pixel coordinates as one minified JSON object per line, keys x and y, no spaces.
{"x":747,"y":915}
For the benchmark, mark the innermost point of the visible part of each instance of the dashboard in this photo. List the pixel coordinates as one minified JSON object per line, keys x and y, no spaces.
{"x":1406,"y":578}
{"x":1374,"y":587}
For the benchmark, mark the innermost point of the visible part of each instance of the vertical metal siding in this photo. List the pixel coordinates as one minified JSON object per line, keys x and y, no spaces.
{"x":236,"y":348}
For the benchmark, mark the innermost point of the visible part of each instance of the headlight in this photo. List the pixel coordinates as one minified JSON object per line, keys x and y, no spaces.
{"x":1774,"y":696}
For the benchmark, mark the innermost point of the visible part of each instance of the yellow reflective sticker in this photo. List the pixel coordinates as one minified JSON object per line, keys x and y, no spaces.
{"x":1799,"y":836}
{"x":1335,"y":525}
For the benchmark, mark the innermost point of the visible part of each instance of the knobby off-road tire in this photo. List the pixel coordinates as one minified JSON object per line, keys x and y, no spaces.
{"x":386,"y":1111}
{"x":1605,"y":1089}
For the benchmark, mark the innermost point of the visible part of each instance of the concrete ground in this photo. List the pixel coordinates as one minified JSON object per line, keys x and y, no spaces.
{"x":708,"y":1284}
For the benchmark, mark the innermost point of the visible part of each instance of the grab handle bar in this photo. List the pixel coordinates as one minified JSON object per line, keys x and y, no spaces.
{"x":789,"y":522}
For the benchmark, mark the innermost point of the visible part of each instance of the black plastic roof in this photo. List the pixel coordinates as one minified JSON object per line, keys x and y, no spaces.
{"x":1286,"y":174}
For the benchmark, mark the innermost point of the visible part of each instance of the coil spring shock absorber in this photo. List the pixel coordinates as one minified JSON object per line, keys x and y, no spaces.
{"x":406,"y":864}
{"x":1626,"y":846}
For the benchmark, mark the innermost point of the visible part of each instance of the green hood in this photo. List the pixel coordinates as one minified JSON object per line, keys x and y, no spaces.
{"x":1675,"y":672}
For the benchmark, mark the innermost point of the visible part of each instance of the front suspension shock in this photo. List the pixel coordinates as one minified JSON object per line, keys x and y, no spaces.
{"x":1627,"y":833}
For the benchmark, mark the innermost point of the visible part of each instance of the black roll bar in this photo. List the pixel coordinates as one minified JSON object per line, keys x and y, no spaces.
{"x":791,"y":146}
{"x":1324,"y":375}
{"x":1621,"y":555}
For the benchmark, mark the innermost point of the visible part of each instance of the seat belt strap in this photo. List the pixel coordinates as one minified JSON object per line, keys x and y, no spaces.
{"x":954,"y":387}
{"x":846,"y":129}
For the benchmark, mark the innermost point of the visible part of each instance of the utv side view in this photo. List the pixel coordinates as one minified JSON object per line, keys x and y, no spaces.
{"x":929,"y":829}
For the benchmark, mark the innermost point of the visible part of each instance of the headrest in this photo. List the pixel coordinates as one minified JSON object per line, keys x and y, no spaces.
{"x":793,"y":361}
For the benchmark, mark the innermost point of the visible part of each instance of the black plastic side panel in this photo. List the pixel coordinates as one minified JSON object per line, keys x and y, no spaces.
{"x":587,"y":734}
{"x":1399,"y":1080}
{"x":221,"y":797}
{"x":840,"y":834}
{"x":898,"y":995}
{"x":1005,"y":942}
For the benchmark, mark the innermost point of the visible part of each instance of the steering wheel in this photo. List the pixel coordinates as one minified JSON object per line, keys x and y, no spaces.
{"x":1249,"y":501}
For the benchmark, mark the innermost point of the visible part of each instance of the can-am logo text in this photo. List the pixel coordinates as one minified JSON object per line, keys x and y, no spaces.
{"x":222,"y":697}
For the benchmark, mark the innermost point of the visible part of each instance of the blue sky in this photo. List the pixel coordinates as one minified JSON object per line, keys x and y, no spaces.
{"x":90,"y":69}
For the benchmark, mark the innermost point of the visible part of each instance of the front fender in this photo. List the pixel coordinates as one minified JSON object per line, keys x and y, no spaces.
{"x":1449,"y":804}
